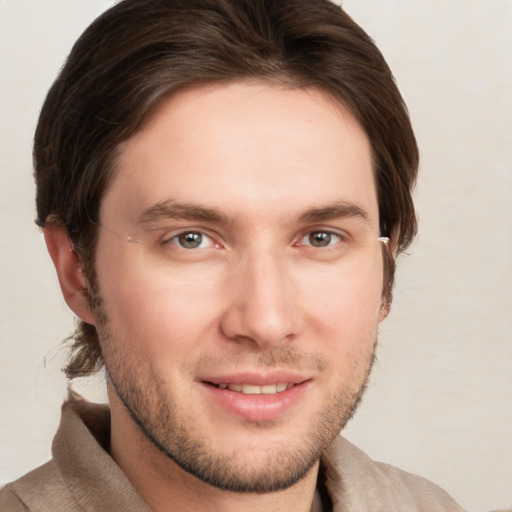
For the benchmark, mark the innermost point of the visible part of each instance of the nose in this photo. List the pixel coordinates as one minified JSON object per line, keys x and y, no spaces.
{"x":262,"y":306}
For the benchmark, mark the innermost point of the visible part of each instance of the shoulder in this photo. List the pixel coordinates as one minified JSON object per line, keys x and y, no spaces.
{"x":359,"y":483}
{"x":10,"y":501}
{"x":41,"y":489}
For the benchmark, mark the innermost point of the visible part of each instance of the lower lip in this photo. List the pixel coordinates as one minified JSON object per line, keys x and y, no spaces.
{"x":257,"y":407}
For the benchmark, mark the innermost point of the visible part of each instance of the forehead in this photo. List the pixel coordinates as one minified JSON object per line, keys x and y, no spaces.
{"x":247,"y":148}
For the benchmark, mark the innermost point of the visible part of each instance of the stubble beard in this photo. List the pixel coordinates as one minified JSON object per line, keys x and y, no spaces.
{"x":168,"y":427}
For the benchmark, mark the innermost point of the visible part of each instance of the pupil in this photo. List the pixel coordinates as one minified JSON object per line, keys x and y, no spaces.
{"x":190,"y":240}
{"x":320,"y":239}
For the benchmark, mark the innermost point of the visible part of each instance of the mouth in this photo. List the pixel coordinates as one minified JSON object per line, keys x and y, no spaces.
{"x":257,"y":397}
{"x":251,"y":389}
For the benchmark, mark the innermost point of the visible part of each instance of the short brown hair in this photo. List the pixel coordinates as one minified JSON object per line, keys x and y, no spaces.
{"x":142,"y":50}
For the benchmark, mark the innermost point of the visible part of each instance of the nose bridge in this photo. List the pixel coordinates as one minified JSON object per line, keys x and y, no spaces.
{"x":262,"y":306}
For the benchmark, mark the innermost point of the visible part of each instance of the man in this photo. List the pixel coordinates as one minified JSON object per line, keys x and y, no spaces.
{"x":223,"y":187}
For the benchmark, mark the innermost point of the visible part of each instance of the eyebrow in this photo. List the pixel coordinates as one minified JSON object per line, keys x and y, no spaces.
{"x":171,"y":209}
{"x":337,"y":210}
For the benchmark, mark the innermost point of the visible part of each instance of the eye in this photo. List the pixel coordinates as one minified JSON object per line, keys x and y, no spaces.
{"x":320,"y":239}
{"x":191,"y":240}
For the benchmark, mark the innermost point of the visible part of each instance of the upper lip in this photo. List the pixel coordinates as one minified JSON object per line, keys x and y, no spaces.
{"x":258,"y":378}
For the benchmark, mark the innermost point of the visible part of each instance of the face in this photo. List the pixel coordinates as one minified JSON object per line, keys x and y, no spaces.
{"x":241,"y":278}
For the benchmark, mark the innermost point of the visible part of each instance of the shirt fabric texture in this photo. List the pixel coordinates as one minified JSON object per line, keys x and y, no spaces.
{"x":82,"y":476}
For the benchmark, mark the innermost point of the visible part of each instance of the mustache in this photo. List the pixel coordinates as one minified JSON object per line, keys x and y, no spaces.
{"x":286,"y":357}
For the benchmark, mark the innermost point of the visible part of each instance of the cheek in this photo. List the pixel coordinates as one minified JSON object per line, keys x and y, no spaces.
{"x":158,"y":315}
{"x":343,"y":313}
{"x":162,"y":315}
{"x":342,"y":301}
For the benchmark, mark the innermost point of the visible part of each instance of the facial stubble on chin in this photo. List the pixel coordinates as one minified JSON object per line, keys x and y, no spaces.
{"x":167,"y":426}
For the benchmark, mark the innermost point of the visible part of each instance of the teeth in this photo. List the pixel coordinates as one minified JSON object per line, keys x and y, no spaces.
{"x":249,"y":389}
{"x":269,"y":390}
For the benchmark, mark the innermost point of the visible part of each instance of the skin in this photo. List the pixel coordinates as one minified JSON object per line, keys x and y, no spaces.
{"x":260,"y":300}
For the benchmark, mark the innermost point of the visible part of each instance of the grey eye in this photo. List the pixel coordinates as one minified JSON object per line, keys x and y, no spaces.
{"x":320,"y":238}
{"x":189,"y":239}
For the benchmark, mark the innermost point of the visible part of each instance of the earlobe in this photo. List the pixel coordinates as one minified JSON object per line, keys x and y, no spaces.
{"x":384,"y":310}
{"x":390,"y":253}
{"x":71,"y":279}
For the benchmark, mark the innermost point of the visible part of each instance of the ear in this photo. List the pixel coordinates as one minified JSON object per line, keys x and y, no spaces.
{"x":385,"y":308}
{"x":67,"y":264}
{"x":391,"y":252}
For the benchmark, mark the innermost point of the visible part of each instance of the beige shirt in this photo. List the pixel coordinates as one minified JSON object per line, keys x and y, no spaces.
{"x":83,"y":477}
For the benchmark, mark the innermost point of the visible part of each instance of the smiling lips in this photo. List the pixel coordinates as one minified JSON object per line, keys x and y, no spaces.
{"x":246,"y":398}
{"x":257,"y":395}
{"x":251,"y":389}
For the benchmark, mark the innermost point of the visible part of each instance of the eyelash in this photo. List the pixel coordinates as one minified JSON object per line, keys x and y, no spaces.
{"x":175,"y":239}
{"x":327,"y":234}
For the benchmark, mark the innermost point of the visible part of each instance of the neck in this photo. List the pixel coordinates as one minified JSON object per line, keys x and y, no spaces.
{"x":160,"y":481}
